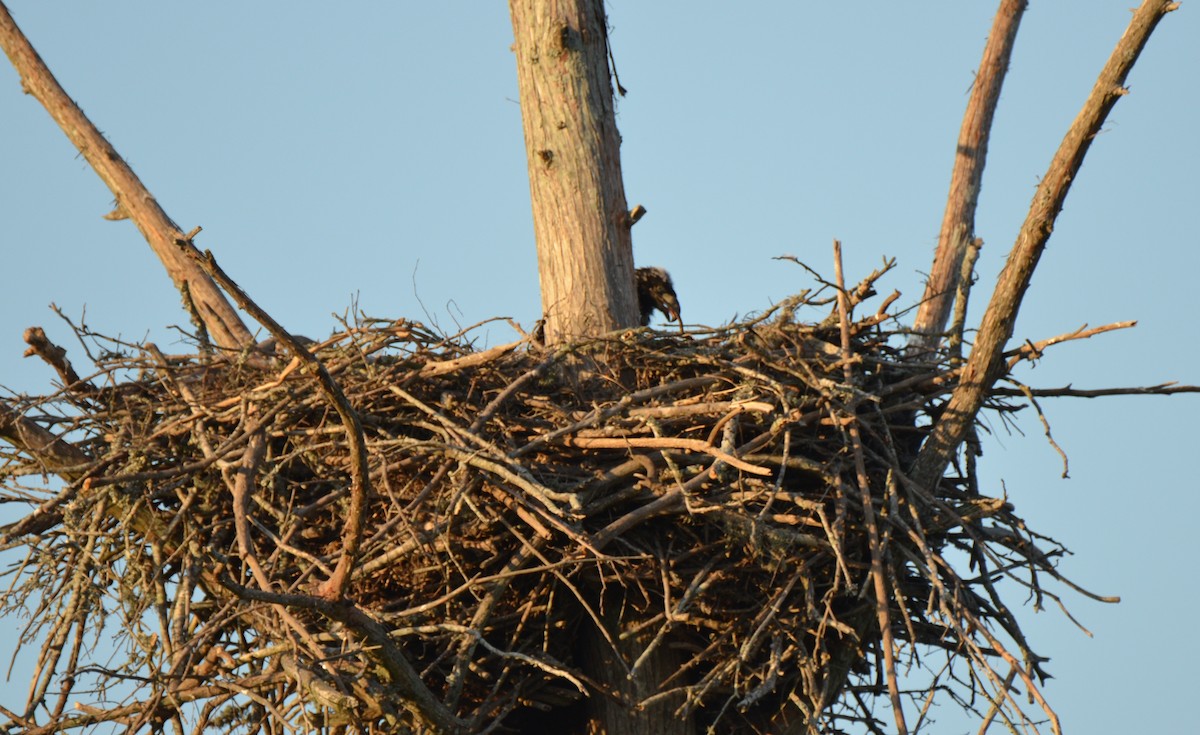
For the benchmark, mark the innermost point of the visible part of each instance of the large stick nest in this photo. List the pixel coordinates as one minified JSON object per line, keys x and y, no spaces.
{"x":697,"y":495}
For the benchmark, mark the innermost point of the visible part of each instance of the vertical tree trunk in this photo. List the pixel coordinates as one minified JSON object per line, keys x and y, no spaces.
{"x":615,"y":711}
{"x":585,"y":263}
{"x":580,"y":218}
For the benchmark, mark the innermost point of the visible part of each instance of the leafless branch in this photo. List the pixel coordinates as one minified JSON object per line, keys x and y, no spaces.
{"x":132,"y":197}
{"x":958,"y":223}
{"x":985,"y":364}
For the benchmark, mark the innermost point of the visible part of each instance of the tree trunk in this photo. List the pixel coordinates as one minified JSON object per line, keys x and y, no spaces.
{"x":585,"y":263}
{"x":580,"y":218}
{"x":615,"y":711}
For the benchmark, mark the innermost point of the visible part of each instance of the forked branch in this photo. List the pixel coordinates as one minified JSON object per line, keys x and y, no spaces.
{"x":986,"y":362}
{"x":360,"y":488}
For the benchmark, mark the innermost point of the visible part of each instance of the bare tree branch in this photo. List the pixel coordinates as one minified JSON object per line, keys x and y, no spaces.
{"x":986,"y":362}
{"x":335,"y":586}
{"x":878,"y":578}
{"x":958,"y":224}
{"x":133,"y":199}
{"x":57,"y":455}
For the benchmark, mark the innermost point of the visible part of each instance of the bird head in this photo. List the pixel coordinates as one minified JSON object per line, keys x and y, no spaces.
{"x":655,"y":291}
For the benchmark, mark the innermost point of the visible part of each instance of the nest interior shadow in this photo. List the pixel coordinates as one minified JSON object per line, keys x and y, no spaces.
{"x":689,"y":501}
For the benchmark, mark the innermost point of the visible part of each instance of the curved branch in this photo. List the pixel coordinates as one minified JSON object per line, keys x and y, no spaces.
{"x":133,"y":199}
{"x":986,"y":363}
{"x":360,"y":488}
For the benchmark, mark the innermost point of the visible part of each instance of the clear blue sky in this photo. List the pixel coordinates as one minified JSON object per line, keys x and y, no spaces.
{"x":375,"y":149}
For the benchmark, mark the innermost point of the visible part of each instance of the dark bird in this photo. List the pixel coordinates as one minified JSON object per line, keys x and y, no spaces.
{"x":655,"y":291}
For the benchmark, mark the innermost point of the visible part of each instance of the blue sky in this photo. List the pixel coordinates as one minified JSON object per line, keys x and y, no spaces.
{"x":373,"y":151}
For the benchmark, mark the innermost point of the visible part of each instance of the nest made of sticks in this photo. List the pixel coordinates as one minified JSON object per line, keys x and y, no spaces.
{"x":710,"y":501}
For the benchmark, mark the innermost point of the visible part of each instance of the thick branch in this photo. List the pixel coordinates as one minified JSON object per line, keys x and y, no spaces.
{"x":986,"y":363}
{"x":132,"y":196}
{"x":958,"y":224}
{"x":56,"y":455}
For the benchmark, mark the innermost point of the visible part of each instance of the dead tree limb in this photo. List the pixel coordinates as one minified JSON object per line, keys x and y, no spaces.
{"x":55,"y":454}
{"x":958,"y":223}
{"x":132,"y":196}
{"x":1165,"y":389}
{"x":986,"y":362}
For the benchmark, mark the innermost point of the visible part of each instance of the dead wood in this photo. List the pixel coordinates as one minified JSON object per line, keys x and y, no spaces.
{"x":739,"y":493}
{"x":985,"y":365}
{"x":397,"y":532}
{"x":133,"y":199}
{"x":966,"y":179}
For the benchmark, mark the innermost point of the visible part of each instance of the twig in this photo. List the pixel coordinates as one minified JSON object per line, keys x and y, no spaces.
{"x":533,"y":373}
{"x":694,"y":445}
{"x":966,"y":279}
{"x":1163,"y":389}
{"x":864,"y":490}
{"x":1033,"y":350}
{"x":600,"y":414}
{"x":1025,"y":391}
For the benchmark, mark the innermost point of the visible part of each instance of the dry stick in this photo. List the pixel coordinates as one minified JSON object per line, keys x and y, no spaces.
{"x":691,"y":445}
{"x":963,"y":294}
{"x":55,"y":357}
{"x":1028,"y":393}
{"x":416,"y":697}
{"x":54,"y":454}
{"x":334,"y":587}
{"x":1164,"y":389}
{"x":1033,"y":350}
{"x":94,"y":715}
{"x":74,"y":614}
{"x":434,"y":369}
{"x":958,"y":223}
{"x":601,"y":414}
{"x":986,"y":362}
{"x":57,"y":455}
{"x":241,"y":483}
{"x":997,"y":703}
{"x":864,"y":490}
{"x":132,"y":196}
{"x":490,"y":410}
